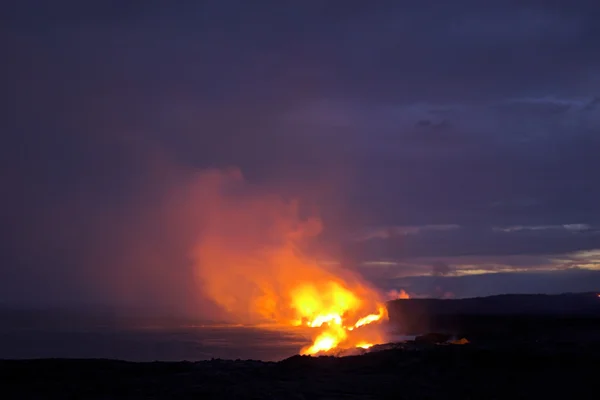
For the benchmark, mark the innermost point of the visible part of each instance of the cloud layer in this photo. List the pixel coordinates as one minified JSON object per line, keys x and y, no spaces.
{"x":420,"y":134}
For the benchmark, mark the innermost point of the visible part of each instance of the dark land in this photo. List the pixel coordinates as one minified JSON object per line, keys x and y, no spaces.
{"x":520,"y":347}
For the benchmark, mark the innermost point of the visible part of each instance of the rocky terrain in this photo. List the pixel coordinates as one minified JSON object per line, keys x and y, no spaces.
{"x":415,"y":370}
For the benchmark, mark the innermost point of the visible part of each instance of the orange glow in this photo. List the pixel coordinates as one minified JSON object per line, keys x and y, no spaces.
{"x":370,"y":318}
{"x":363,"y":345}
{"x":249,"y":262}
{"x":337,"y":331}
{"x":395,"y":295}
{"x":326,"y":341}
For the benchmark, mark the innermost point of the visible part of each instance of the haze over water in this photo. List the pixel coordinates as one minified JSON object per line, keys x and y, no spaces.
{"x":175,"y":344}
{"x":192,"y":343}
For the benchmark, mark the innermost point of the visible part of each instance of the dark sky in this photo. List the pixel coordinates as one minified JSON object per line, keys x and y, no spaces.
{"x":435,"y":139}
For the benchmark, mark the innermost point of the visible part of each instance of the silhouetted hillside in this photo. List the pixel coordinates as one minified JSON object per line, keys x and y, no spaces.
{"x":501,"y":314}
{"x":439,"y":371}
{"x":508,"y":304}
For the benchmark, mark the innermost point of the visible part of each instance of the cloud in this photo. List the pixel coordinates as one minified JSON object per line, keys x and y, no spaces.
{"x":394,"y":231}
{"x":503,"y":283}
{"x":404,"y":126}
{"x":436,"y":275}
{"x":567,"y":227}
{"x":440,"y":268}
{"x":473,"y":241}
{"x":482,"y":276}
{"x":540,"y":166}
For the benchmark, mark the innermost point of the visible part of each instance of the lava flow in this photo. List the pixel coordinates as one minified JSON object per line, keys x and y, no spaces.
{"x":336,"y":310}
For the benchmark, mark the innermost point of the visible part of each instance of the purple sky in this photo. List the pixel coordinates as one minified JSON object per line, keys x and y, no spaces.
{"x":447,"y":146}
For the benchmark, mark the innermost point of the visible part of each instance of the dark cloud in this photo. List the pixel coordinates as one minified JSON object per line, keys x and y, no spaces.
{"x":477,"y":241}
{"x":502,"y":283}
{"x":384,"y":114}
{"x":440,"y":268}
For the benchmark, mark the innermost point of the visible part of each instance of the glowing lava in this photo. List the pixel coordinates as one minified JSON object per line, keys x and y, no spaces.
{"x":364,"y":345}
{"x":337,"y":312}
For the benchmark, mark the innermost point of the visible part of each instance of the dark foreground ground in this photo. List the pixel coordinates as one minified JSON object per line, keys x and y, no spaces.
{"x":423,"y":371}
{"x":520,"y":347}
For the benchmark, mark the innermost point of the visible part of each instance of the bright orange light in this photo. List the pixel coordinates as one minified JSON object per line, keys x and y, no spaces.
{"x":326,"y":341}
{"x":248,"y":261}
{"x":370,"y":318}
{"x":325,"y":319}
{"x":332,"y":308}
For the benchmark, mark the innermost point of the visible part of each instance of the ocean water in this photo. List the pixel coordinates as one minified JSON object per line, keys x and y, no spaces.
{"x":192,"y":343}
{"x":150,"y":344}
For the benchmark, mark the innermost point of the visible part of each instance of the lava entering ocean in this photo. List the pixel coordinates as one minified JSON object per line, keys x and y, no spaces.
{"x":249,"y":263}
{"x":336,"y":310}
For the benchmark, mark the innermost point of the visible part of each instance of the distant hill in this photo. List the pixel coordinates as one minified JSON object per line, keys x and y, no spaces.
{"x":494,"y":312}
{"x":508,"y":304}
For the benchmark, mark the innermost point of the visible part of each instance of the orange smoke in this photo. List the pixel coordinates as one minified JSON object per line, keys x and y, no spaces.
{"x":248,"y":260}
{"x":395,"y":295}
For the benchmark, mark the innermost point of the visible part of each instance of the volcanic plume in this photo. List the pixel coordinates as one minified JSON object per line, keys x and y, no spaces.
{"x":249,"y":261}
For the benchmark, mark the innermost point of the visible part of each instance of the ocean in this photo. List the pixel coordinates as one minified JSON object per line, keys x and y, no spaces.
{"x":152,"y":344}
